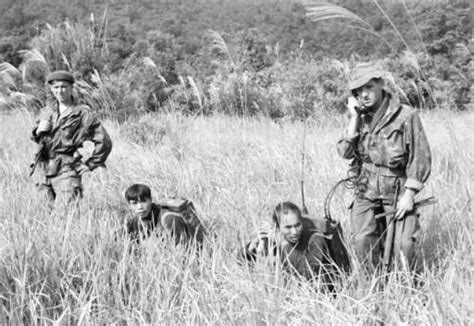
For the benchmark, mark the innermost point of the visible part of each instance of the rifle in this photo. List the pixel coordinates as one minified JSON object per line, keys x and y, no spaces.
{"x":389,"y":240}
{"x":40,"y":155}
{"x":423,"y":202}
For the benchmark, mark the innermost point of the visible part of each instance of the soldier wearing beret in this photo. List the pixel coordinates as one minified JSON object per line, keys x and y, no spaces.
{"x":388,"y":140}
{"x":62,"y":128}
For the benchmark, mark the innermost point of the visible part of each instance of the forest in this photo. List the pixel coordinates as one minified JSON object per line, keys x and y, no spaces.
{"x":267,"y":57}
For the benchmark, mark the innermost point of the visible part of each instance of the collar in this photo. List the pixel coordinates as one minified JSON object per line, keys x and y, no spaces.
{"x":154,"y":214}
{"x":393,"y":108}
{"x":390,"y":107}
{"x":379,"y":113}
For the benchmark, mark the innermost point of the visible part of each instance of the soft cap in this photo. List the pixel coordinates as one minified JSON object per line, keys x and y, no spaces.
{"x":363,"y":73}
{"x":60,"y":75}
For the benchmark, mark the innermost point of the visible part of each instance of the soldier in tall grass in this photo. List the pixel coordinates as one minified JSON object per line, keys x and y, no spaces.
{"x":296,"y":240}
{"x":387,"y":142}
{"x":62,"y":128}
{"x":148,"y":218}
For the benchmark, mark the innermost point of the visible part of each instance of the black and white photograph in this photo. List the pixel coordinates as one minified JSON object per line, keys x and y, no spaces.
{"x":236,"y":162}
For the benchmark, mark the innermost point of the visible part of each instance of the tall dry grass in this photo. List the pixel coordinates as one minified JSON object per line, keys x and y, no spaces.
{"x":61,"y":270}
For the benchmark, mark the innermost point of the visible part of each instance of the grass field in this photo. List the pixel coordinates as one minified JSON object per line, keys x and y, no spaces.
{"x":60,"y":270}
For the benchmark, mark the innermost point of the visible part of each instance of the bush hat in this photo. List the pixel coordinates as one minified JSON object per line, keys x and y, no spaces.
{"x":60,"y":75}
{"x":363,"y":73}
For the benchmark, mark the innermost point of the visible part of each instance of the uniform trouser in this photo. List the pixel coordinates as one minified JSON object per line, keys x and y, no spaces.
{"x":66,"y":188}
{"x":370,"y":234}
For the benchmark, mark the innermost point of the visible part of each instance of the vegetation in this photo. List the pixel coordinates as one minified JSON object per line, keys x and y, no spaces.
{"x":58,"y":269}
{"x":207,"y":57}
{"x":185,"y":77}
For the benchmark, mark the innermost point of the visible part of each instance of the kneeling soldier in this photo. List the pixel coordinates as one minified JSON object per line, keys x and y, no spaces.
{"x":149,"y":218}
{"x":297,"y":241}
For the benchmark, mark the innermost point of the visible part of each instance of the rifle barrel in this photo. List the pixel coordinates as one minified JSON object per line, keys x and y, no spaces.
{"x":424,"y":202}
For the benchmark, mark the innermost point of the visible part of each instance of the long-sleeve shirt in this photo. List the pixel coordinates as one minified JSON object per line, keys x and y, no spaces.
{"x":157,"y":221}
{"x":67,"y":135}
{"x":396,"y":142}
{"x":309,"y":257}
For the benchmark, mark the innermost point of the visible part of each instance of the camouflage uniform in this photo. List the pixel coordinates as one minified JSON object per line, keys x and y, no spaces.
{"x":392,"y":149}
{"x":308,"y":258}
{"x":62,"y":142}
{"x":158,"y":221}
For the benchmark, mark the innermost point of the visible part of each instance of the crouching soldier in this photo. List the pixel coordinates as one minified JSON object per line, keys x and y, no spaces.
{"x":61,"y":130}
{"x":173,"y":217}
{"x":298,"y":242}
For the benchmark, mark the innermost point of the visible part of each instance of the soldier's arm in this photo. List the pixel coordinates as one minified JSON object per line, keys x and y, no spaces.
{"x":316,"y":251}
{"x":418,"y":166}
{"x":247,"y":255}
{"x":44,"y":117}
{"x":346,"y":146}
{"x":101,"y":139}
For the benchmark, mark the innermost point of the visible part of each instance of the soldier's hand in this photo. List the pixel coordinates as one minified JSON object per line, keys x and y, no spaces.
{"x":264,"y":232}
{"x":83,"y":168}
{"x":44,"y":126}
{"x":353,"y":107}
{"x":405,"y":204}
{"x":262,"y":240}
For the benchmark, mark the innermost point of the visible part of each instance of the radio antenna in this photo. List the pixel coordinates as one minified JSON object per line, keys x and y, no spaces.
{"x":304,"y":209}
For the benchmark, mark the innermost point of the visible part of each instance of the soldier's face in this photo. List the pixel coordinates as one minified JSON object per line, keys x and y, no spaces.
{"x":291,"y":227}
{"x":140,"y":208}
{"x":62,"y":91}
{"x":370,"y":95}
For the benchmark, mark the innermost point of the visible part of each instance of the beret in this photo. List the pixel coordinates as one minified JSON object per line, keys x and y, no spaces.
{"x":363,"y":73}
{"x":60,"y":75}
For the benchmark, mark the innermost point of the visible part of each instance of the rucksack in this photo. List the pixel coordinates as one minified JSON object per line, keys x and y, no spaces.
{"x":186,"y":209}
{"x":334,"y":235}
{"x":331,"y":230}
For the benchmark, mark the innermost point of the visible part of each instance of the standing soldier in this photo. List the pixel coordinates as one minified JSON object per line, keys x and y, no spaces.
{"x":62,"y":129}
{"x":388,"y":142}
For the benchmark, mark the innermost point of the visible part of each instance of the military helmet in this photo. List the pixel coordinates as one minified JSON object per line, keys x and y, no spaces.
{"x":60,"y":75}
{"x":363,"y":73}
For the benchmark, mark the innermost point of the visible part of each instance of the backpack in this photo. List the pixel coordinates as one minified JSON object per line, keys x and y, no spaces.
{"x":334,"y":239}
{"x":333,"y":232}
{"x":186,"y":209}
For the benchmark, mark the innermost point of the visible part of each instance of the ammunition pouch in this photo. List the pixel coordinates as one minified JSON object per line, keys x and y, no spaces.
{"x":61,"y":163}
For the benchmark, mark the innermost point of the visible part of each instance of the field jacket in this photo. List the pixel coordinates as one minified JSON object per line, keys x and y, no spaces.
{"x":67,"y":135}
{"x":391,"y":150}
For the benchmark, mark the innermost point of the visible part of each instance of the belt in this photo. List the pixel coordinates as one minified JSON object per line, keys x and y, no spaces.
{"x":382,"y":170}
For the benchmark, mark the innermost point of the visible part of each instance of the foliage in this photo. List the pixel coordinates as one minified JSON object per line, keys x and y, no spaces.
{"x":59,"y":268}
{"x":268,"y":60}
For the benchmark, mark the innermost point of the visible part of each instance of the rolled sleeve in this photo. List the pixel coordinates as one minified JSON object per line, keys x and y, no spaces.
{"x":418,"y":167}
{"x":346,"y":146}
{"x":102,"y":144}
{"x":413,"y":184}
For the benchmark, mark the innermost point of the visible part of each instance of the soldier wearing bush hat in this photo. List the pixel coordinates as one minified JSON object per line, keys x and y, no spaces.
{"x":363,"y":73}
{"x":62,"y":128}
{"x":387,"y":141}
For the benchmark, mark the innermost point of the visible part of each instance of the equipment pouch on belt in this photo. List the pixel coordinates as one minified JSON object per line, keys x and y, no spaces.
{"x":53,"y":166}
